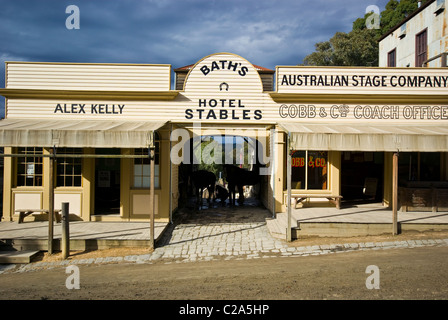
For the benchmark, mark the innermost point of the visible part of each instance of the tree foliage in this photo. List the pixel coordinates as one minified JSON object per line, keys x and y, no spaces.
{"x":356,"y":48}
{"x":359,"y":47}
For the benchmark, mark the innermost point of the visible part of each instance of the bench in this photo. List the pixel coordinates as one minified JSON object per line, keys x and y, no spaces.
{"x":26,"y":212}
{"x":299,"y":197}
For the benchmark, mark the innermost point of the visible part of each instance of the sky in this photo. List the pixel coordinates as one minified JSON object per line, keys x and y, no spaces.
{"x":176,"y":32}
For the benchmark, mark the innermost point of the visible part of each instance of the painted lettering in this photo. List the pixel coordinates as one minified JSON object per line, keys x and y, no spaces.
{"x":361,"y":80}
{"x":58,"y":109}
{"x":79,"y":108}
{"x":224,"y":65}
{"x":258,"y":115}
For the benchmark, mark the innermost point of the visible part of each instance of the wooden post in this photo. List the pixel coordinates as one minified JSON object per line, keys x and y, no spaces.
{"x":65,"y":230}
{"x":51,"y":202}
{"x":151,"y":194}
{"x":288,"y":198}
{"x":395,"y":193}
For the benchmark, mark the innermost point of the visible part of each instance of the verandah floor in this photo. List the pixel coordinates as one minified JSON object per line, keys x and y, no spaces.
{"x":83,"y":235}
{"x":322,"y":221}
{"x":362,"y":219}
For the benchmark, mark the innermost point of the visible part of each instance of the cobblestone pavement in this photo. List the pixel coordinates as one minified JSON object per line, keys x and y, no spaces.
{"x":206,"y":242}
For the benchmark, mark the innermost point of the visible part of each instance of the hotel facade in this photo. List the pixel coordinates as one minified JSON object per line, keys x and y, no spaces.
{"x":87,"y":134}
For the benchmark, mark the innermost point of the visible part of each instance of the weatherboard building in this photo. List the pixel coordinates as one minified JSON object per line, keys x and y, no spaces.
{"x":113,"y":140}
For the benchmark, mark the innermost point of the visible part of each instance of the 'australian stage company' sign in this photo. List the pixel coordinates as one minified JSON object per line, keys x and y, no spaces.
{"x":362,"y":80}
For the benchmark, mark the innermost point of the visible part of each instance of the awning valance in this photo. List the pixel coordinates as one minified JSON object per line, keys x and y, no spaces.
{"x":77,"y":133}
{"x":367,"y":137}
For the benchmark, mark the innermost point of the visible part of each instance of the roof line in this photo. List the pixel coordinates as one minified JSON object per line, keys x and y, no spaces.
{"x":398,"y":25}
{"x":188,"y":67}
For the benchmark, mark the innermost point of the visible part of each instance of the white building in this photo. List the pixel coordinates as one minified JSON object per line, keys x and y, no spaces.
{"x":419,"y":40}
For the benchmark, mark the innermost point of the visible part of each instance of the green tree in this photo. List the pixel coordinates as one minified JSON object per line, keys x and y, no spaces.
{"x":395,"y":12}
{"x":359,"y":47}
{"x":356,"y":48}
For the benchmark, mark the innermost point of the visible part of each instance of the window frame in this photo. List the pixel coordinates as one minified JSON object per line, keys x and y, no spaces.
{"x":307,"y":173}
{"x":25,"y":161}
{"x":392,"y":53}
{"x":145,"y":181}
{"x":419,"y":59}
{"x":66,"y":162}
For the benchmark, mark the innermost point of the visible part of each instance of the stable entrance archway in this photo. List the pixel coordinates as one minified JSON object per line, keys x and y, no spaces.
{"x":220,"y":154}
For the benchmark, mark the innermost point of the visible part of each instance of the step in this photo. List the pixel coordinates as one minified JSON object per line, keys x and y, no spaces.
{"x":278,"y":226}
{"x":7,"y":257}
{"x":275,"y":229}
{"x":282,"y":219}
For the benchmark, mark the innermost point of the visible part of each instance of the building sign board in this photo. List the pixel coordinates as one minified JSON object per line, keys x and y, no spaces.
{"x":348,"y":80}
{"x":362,"y":112}
{"x":226,"y":88}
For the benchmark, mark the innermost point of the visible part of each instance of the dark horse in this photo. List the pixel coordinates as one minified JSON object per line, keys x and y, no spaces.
{"x":201,"y":180}
{"x":238,"y":177}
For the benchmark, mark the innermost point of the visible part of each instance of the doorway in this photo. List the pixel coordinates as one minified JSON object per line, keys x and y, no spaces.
{"x":214,"y":154}
{"x":107,"y":183}
{"x":362,"y":176}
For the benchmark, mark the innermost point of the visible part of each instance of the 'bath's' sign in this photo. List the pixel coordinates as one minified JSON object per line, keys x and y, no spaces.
{"x":224,"y":87}
{"x":224,"y":65}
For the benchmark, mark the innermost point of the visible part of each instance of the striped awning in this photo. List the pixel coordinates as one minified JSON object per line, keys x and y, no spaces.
{"x":367,"y":137}
{"x":77,"y":133}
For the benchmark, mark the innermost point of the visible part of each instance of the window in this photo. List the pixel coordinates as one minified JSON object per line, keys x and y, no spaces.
{"x":29,"y":169}
{"x":142,"y":170}
{"x":309,"y":170}
{"x":69,"y":169}
{"x":440,"y":7}
{"x":402,"y":33}
{"x":419,"y":166}
{"x":421,"y":48}
{"x":391,"y":58}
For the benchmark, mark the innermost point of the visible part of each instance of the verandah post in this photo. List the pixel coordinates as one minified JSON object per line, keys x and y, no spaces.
{"x":151,"y":192}
{"x":65,"y":230}
{"x":51,"y":201}
{"x":395,"y":193}
{"x":288,"y":185}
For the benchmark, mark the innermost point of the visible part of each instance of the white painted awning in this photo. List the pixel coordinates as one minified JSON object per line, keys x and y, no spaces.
{"x":77,"y":133}
{"x":368,"y":137}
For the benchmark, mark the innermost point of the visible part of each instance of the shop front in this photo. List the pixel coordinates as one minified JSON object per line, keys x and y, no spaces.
{"x":326,"y":135}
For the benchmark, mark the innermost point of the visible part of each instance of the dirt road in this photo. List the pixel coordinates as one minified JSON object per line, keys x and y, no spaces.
{"x":411,"y":273}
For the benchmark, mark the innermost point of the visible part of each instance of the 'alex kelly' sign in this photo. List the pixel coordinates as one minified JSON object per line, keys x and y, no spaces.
{"x":78,"y":108}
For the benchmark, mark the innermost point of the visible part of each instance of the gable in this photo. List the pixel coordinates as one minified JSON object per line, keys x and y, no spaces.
{"x":225,"y":73}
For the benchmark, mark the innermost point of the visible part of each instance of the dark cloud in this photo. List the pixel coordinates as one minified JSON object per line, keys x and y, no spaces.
{"x":177,"y":32}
